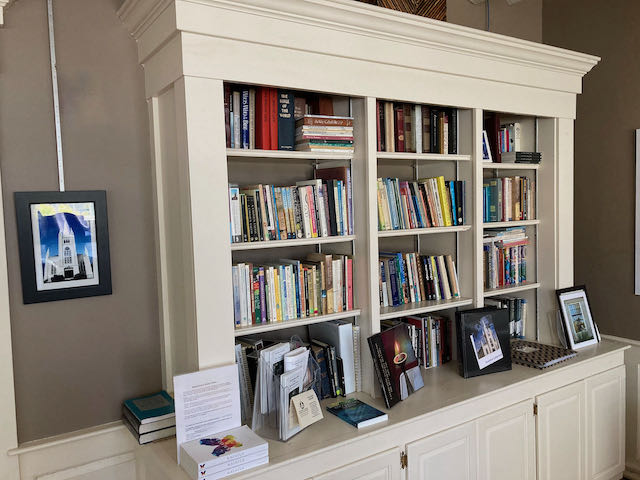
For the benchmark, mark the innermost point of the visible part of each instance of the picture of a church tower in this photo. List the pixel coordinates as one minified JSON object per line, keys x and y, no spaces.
{"x":68,"y":264}
{"x":488,"y":339}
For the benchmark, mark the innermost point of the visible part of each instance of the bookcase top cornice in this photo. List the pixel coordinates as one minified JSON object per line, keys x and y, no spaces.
{"x":372,"y":21}
{"x":3,"y":4}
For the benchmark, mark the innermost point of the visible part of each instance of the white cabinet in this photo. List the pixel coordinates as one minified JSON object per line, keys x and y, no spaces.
{"x":383,"y":466}
{"x":450,"y":454}
{"x":605,"y":424}
{"x":506,"y":444}
{"x":561,"y":433}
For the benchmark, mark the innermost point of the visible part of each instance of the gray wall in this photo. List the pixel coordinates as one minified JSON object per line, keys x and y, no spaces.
{"x":76,"y":360}
{"x":522,"y":20}
{"x":608,"y":113}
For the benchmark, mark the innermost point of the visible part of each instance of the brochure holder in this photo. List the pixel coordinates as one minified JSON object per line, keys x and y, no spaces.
{"x":273,"y":414}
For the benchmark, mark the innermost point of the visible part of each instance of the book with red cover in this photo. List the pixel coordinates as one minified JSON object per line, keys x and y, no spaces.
{"x":273,"y":119}
{"x":395,"y":364}
{"x":263,"y":139}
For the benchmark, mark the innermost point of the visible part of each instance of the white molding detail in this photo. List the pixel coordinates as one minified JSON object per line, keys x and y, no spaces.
{"x":3,"y":4}
{"x":91,"y":467}
{"x":346,"y":16}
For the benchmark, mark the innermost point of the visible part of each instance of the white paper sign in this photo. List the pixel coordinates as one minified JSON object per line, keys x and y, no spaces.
{"x":207,"y":402}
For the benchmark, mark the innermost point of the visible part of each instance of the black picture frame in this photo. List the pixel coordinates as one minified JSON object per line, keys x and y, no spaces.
{"x":580,"y":293}
{"x":470,"y":362}
{"x":50,"y":283}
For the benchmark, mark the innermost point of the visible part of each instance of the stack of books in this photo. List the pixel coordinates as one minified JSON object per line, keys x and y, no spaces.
{"x":223,"y":454}
{"x":291,"y":289}
{"x":411,"y":277}
{"x":429,"y":202}
{"x":324,"y":133}
{"x":151,"y":417}
{"x":311,"y":208}
{"x":505,"y":257}
{"x":509,"y":198}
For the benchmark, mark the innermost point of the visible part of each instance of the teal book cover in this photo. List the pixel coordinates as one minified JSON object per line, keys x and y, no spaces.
{"x":151,"y":408}
{"x":357,"y":413}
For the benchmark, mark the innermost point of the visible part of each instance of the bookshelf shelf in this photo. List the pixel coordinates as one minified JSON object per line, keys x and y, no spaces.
{"x":422,"y":231}
{"x":511,"y":289}
{"x":511,"y":166}
{"x":296,"y":242}
{"x":513,"y":223}
{"x":269,"y":327}
{"x":431,"y":157}
{"x":244,"y":154}
{"x":416,"y":308}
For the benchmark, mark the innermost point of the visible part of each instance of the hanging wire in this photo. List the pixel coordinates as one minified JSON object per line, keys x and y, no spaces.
{"x":56,"y":102}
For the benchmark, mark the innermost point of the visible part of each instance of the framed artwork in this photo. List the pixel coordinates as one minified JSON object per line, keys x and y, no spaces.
{"x":63,"y":240}
{"x":579,"y":328}
{"x":483,"y":337}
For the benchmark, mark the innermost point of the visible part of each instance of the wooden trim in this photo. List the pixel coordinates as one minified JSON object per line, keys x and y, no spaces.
{"x":87,"y":468}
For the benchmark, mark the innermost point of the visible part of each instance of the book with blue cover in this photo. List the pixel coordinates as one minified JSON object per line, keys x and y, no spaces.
{"x":357,"y":413}
{"x":151,"y":408}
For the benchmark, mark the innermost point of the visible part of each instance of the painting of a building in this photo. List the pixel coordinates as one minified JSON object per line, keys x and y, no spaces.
{"x":68,"y":264}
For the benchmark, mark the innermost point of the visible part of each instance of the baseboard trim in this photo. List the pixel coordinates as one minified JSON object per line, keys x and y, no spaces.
{"x":88,"y":468}
{"x":67,"y":438}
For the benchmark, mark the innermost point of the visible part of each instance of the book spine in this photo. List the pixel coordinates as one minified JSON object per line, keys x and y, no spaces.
{"x":245,"y":119}
{"x":237,"y":115}
{"x":286,"y":122}
{"x":252,"y":118}
{"x":227,"y":111}
{"x":453,"y":131}
{"x":399,"y":127}
{"x":273,"y":118}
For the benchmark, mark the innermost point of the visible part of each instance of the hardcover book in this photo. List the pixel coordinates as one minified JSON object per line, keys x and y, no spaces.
{"x":538,"y":355}
{"x":151,"y":408}
{"x":395,"y":363}
{"x":357,"y":413}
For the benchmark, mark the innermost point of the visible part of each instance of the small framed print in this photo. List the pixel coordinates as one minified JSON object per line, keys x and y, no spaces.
{"x":483,"y":341}
{"x":63,"y":240}
{"x":579,"y":328}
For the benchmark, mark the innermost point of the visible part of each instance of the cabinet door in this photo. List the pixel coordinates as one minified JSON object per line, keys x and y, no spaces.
{"x":383,"y":466}
{"x":506,"y":444}
{"x":450,"y":454}
{"x":561,"y":433}
{"x":605,"y":424}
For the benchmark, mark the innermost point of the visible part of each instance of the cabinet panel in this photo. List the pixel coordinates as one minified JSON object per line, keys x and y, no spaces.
{"x":450,"y":454}
{"x":506,"y":444}
{"x":605,"y":424}
{"x":383,"y":466}
{"x":561,"y":433}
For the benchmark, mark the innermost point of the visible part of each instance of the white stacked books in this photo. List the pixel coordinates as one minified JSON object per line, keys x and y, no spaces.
{"x":223,"y":454}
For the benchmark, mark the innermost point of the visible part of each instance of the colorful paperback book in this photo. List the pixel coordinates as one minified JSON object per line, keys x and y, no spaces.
{"x":357,"y":413}
{"x":218,"y":452}
{"x":151,"y":408}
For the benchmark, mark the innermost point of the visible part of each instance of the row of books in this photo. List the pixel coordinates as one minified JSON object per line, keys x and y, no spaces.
{"x":428,"y":202}
{"x":150,"y":417}
{"x":290,"y":289}
{"x":430,"y":338}
{"x":404,"y":127}
{"x":509,"y":198}
{"x":517,"y":308}
{"x":321,"y":207}
{"x":265,"y":118}
{"x":510,"y":137}
{"x":411,"y":277}
{"x":505,"y":257}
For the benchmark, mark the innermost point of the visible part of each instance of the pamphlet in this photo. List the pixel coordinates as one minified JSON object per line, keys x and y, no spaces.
{"x":206,"y":402}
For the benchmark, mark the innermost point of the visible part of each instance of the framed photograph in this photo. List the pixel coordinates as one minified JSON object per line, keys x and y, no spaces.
{"x":63,"y":240}
{"x":486,"y":151}
{"x":579,"y":327}
{"x":483,"y":341}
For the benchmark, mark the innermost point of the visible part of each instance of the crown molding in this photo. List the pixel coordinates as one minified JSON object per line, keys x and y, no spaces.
{"x":379,"y":23}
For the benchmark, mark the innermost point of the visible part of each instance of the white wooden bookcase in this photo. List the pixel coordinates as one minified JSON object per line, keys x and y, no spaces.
{"x":190,"y":48}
